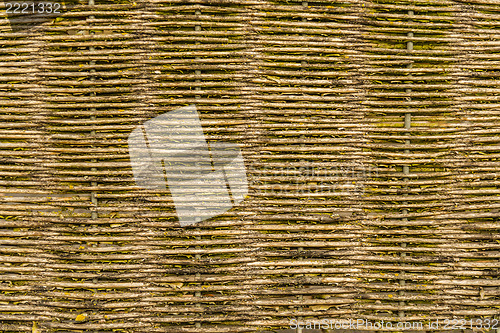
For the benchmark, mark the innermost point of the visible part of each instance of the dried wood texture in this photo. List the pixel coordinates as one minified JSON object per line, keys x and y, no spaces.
{"x":370,"y":133}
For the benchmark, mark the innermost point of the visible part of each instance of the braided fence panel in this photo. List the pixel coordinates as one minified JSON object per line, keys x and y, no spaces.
{"x":370,"y":135}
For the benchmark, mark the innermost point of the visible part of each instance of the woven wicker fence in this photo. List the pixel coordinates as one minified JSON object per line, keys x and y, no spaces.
{"x":370,"y":135}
